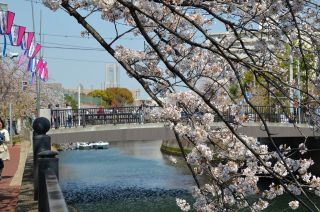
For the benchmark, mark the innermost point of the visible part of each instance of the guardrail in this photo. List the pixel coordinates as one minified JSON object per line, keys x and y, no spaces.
{"x":46,"y":170}
{"x":125,"y":115}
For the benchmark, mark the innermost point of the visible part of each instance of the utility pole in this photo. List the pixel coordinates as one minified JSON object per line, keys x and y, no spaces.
{"x":290,"y":80}
{"x":79,"y":106}
{"x":37,"y":78}
{"x":298,"y":85}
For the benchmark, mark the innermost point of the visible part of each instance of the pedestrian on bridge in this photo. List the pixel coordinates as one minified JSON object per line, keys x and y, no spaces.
{"x":4,"y":152}
{"x":56,"y":117}
{"x":141,"y":114}
{"x":114,"y":115}
{"x":69,"y":116}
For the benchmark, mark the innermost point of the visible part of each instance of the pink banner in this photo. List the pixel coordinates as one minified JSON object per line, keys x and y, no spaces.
{"x":36,"y":50}
{"x":10,"y":18}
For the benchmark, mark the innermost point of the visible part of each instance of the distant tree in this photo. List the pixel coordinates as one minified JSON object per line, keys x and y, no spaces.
{"x":71,"y":101}
{"x":114,"y":96}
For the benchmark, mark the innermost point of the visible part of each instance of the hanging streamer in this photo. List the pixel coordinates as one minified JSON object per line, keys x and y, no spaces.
{"x":27,"y":40}
{"x":33,"y":51}
{"x":25,"y":45}
{"x":6,"y":21}
{"x":32,"y":68}
{"x":16,"y":35}
{"x":19,"y":37}
{"x":42,"y":69}
{"x":45,"y":71}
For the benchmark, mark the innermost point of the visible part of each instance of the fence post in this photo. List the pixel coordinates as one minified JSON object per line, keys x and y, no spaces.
{"x":46,"y":160}
{"x":41,"y":142}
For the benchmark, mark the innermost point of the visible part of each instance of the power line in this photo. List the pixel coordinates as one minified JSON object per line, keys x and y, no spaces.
{"x":75,"y":48}
{"x":34,"y":1}
{"x":78,"y":36}
{"x":80,"y":48}
{"x":79,"y":60}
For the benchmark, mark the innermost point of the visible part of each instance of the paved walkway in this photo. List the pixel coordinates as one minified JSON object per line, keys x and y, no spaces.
{"x":12,"y":176}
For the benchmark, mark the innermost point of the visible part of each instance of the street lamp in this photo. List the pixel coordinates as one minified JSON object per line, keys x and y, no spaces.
{"x":3,"y":7}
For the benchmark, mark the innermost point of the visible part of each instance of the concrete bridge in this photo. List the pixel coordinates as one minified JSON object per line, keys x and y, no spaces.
{"x":158,"y":131}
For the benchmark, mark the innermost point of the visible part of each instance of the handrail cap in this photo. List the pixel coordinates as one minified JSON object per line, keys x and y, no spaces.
{"x":41,"y":125}
{"x":48,"y":154}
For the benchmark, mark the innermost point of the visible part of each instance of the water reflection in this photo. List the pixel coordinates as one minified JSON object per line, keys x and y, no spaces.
{"x":144,"y":149}
{"x":131,"y":173}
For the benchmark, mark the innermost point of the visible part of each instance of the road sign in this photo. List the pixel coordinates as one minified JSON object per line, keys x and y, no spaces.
{"x":24,"y":85}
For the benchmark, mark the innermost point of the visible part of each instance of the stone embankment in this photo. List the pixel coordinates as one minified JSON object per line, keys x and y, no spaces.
{"x":171,"y":147}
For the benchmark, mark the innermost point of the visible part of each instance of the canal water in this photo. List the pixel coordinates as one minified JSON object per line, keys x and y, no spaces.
{"x":129,"y":176}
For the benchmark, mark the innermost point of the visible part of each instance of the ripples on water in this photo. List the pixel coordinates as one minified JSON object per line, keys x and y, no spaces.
{"x":130,"y":176}
{"x":122,"y":199}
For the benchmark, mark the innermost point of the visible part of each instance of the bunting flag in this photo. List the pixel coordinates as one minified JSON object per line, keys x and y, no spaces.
{"x":26,"y":44}
{"x":32,"y":65}
{"x":16,"y":35}
{"x":19,"y":37}
{"x":33,"y":51}
{"x":42,"y":69}
{"x":6,"y":21}
{"x":27,"y":40}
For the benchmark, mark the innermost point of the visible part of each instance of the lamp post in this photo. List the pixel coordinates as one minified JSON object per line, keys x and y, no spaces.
{"x":3,"y":7}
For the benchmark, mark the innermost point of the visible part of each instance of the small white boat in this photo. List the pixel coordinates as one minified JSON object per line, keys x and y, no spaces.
{"x":83,"y":146}
{"x":100,"y":145}
{"x":93,"y":145}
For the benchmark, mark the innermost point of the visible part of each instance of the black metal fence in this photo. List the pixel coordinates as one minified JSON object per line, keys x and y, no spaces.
{"x":268,"y":113}
{"x":127,"y":115}
{"x":46,"y":170}
{"x":97,"y":116}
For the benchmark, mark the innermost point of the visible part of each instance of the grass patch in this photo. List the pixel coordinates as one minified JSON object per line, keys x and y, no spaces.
{"x":173,"y":150}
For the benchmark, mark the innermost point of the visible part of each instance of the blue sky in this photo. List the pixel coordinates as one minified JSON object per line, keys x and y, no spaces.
{"x":62,"y":43}
{"x":60,"y":31}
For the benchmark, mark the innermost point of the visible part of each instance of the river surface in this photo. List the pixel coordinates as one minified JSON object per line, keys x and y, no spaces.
{"x":129,"y":176}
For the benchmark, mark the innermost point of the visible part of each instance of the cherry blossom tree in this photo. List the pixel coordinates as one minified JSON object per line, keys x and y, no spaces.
{"x":183,"y":52}
{"x":12,"y":91}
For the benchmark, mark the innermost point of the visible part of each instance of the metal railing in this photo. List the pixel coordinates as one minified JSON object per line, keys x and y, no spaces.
{"x":46,"y":170}
{"x":98,"y":116}
{"x":126,"y":115}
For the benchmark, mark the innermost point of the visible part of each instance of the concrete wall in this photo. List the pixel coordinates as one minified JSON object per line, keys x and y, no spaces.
{"x":111,"y":133}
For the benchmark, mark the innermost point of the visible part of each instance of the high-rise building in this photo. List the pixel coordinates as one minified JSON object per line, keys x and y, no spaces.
{"x":112,"y":76}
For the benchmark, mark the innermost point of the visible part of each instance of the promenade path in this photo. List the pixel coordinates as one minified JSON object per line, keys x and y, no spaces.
{"x":12,"y":174}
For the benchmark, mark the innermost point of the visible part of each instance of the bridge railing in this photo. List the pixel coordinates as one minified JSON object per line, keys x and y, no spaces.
{"x":126,"y":115}
{"x":275,"y":114}
{"x":97,"y":116}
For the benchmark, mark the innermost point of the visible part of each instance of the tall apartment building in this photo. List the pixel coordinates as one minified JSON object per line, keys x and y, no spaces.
{"x":112,"y":76}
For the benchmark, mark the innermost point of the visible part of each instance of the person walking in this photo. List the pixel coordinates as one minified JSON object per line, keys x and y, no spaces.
{"x":4,"y":152}
{"x":141,"y":114}
{"x":114,"y":116}
{"x":56,"y":117}
{"x":69,"y":116}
